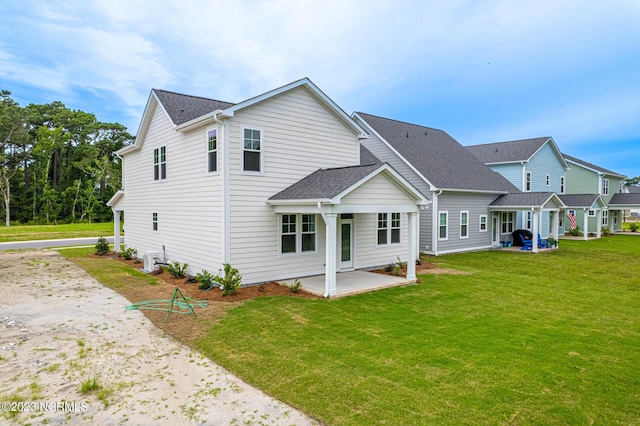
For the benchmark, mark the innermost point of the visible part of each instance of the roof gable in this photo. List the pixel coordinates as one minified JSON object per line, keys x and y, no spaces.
{"x":517,"y":151}
{"x":528,"y":200}
{"x":590,"y":201}
{"x":591,"y":167}
{"x":331,"y":185}
{"x":436,"y":156}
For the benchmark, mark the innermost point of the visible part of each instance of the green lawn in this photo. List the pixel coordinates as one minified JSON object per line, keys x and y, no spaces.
{"x":52,"y":232}
{"x":552,"y":338}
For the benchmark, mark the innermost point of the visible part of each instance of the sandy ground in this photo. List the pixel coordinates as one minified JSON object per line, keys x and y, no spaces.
{"x":60,"y":329}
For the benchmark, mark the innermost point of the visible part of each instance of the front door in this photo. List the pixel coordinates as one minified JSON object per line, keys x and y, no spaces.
{"x":346,"y":244}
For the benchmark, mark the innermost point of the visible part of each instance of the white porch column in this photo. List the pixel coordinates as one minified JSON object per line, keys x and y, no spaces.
{"x":331,"y":222}
{"x":116,"y":231}
{"x":554,"y":217}
{"x":585,"y":222}
{"x":599,"y":224}
{"x":413,"y":254}
{"x":536,"y":229}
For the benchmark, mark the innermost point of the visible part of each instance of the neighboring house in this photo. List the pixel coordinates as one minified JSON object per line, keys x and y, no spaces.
{"x":272,"y":185}
{"x":587,"y":178}
{"x":462,"y":190}
{"x":532,"y":165}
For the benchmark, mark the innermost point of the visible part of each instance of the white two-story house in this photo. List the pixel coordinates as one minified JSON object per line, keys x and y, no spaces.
{"x":272,"y":185}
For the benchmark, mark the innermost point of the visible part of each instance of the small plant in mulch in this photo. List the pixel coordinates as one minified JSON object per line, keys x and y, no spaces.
{"x":205,"y":279}
{"x":633,"y":227}
{"x":295,"y":287}
{"x":575,"y":231}
{"x":231,"y":281}
{"x":177,"y":269}
{"x":102,"y":247}
{"x":128,"y":253}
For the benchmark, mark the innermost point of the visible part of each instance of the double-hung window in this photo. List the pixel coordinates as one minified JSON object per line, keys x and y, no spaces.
{"x":297,"y":233}
{"x":389,"y":228}
{"x":507,"y":222}
{"x":464,"y":224}
{"x":154,"y":221}
{"x":483,"y":223}
{"x":605,"y":186}
{"x":548,"y":180}
{"x":605,"y":217}
{"x":527,"y":186}
{"x":443,"y":226}
{"x":252,"y":151}
{"x":383,"y":227}
{"x":160,"y":163}
{"x":212,"y":150}
{"x":562,"y":184}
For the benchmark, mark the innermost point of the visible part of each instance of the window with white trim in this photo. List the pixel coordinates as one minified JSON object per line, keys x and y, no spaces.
{"x":548,"y":180}
{"x":212,"y":150}
{"x":252,"y":151}
{"x":527,"y":186}
{"x":592,"y":213}
{"x":562,"y":184}
{"x":507,"y":222}
{"x":464,"y":224}
{"x":288,"y":233}
{"x":383,"y":226}
{"x":154,"y":221}
{"x":621,"y":187}
{"x":395,"y":228}
{"x":483,"y":223}
{"x":389,"y":228}
{"x":297,"y":233}
{"x":605,"y":186}
{"x":308,"y":232}
{"x":605,"y":217}
{"x":160,"y":163}
{"x":527,"y":224}
{"x":443,"y":225}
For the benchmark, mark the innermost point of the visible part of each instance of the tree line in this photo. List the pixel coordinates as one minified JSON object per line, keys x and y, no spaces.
{"x":57,"y":165}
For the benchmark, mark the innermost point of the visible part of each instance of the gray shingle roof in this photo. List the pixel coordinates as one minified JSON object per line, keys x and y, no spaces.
{"x":508,"y":152}
{"x":589,"y":165}
{"x":438,"y":157}
{"x":625,"y":200}
{"x":522,"y":199}
{"x":325,"y":183}
{"x":579,"y":200}
{"x":366,"y":157}
{"x":182,"y":108}
{"x":633,"y":189}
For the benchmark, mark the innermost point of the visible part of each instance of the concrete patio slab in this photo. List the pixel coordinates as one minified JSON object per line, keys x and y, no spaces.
{"x":353,"y":282}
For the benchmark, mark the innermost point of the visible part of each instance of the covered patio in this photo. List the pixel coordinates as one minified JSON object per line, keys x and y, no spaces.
{"x":536,"y":203}
{"x":353,"y":282}
{"x":586,"y":203}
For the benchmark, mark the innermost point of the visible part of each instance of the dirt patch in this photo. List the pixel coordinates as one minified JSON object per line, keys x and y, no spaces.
{"x":422,"y":268}
{"x":61,"y":330}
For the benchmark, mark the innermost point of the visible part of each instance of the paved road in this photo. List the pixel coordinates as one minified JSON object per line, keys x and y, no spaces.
{"x":52,"y":243}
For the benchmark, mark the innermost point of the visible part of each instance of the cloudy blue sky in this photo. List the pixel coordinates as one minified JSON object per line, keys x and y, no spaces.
{"x":484,"y":71}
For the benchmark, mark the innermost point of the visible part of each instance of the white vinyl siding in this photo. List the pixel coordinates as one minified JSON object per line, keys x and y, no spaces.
{"x":189,"y":203}
{"x":298,"y":136}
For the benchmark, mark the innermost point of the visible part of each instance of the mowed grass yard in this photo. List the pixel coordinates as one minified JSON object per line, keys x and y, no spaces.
{"x":552,"y":338}
{"x":54,"y":232}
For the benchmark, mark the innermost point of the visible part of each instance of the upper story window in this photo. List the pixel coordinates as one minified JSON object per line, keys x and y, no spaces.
{"x":160,"y":163}
{"x":252,"y":151}
{"x":212,"y":150}
{"x":621,"y":187}
{"x":154,"y":221}
{"x":527,"y":185}
{"x":548,"y":180}
{"x":562,"y":184}
{"x":605,"y":186}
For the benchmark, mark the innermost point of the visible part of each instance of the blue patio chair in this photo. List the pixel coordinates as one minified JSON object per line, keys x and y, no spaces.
{"x":542,"y":243}
{"x":526,"y":244}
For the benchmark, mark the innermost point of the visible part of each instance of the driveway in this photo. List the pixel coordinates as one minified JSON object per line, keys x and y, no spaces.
{"x":60,"y":329}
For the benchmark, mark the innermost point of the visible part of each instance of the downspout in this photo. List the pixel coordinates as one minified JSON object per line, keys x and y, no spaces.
{"x":226,"y":232}
{"x":435,"y":229}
